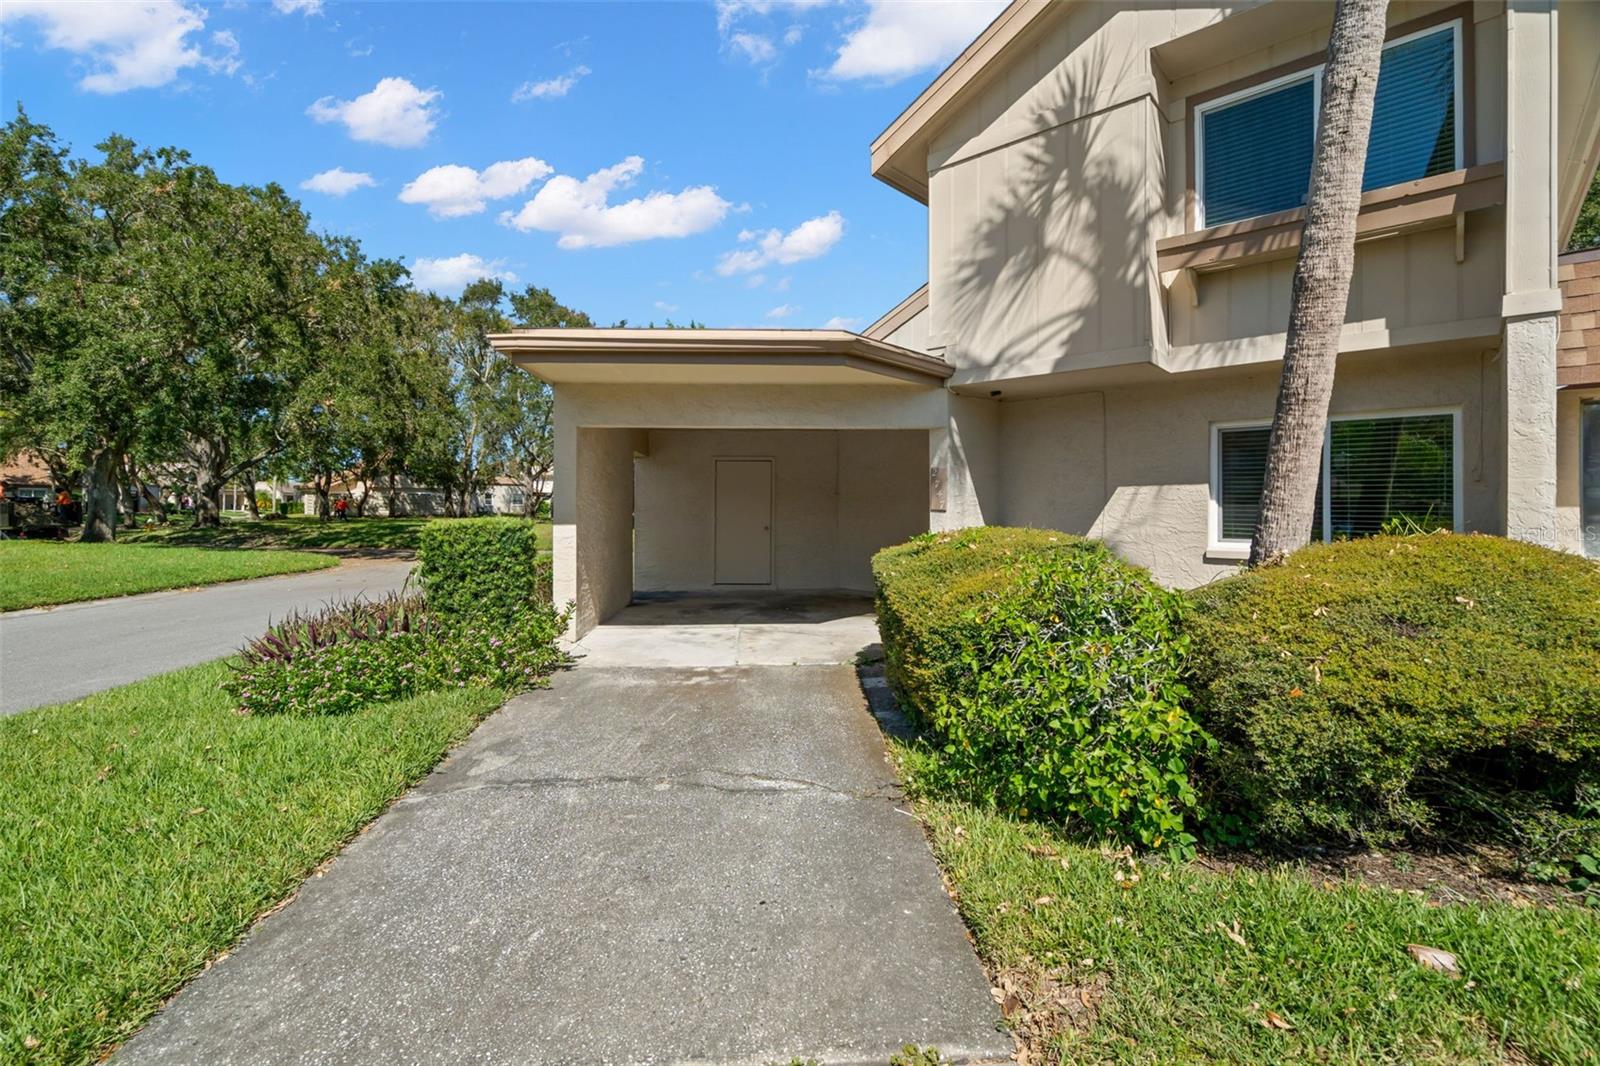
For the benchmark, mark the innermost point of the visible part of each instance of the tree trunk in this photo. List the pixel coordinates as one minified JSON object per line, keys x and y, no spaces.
{"x":532,"y":497}
{"x":100,"y":498}
{"x":210,"y":478}
{"x":392,"y":497}
{"x":1321,"y":280}
{"x":361,"y":502}
{"x":324,"y":486}
{"x":254,"y":507}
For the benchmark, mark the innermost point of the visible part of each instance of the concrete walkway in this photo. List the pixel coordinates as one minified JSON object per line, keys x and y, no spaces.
{"x":661,"y":865}
{"x":54,"y":654}
{"x":733,"y":628}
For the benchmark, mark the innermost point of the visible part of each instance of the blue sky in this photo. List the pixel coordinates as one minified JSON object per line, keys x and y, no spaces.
{"x":645,"y":160}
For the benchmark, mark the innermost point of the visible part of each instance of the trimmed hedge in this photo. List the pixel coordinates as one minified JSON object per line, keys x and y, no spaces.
{"x":1367,"y":690}
{"x":1049,"y":671}
{"x":482,"y":567}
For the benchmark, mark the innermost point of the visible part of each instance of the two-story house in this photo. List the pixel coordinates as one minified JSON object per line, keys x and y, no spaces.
{"x":1114,"y":195}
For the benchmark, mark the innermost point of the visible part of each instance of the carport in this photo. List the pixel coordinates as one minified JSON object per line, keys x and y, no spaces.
{"x":731,"y":463}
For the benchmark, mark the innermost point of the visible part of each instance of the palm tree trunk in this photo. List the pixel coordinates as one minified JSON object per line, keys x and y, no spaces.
{"x":1321,"y":280}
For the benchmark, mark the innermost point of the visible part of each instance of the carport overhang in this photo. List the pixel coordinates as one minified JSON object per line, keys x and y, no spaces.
{"x":615,"y":389}
{"x":717,"y":357}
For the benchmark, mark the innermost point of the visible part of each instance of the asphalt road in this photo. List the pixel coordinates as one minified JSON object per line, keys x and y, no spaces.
{"x":55,"y":654}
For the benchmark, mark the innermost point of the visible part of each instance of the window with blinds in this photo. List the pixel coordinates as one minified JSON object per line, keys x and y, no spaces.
{"x":1382,"y":472}
{"x":1242,"y":471}
{"x":1254,"y":148}
{"x":1256,"y":153}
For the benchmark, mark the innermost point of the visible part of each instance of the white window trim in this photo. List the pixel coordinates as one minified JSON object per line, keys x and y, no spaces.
{"x":1314,"y":73}
{"x":1218,"y":548}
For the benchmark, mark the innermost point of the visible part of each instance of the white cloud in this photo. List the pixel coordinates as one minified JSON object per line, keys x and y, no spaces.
{"x":452,"y":191}
{"x":302,"y":7}
{"x":841,"y":322}
{"x":808,"y":240}
{"x":337,"y":182}
{"x":782,"y":311}
{"x":456,"y":272}
{"x":551,"y":89}
{"x":732,"y":11}
{"x":133,"y":45}
{"x":395,"y":113}
{"x":754,"y":47}
{"x":662,"y":305}
{"x":792,"y":35}
{"x":900,"y":38}
{"x":581,"y":211}
{"x":226,"y":61}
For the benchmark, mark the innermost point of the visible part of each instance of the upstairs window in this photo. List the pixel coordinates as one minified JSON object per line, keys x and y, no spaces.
{"x":1380,"y":473}
{"x":1253,"y":148}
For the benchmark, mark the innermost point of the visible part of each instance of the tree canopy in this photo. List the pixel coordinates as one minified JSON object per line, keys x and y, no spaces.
{"x":162,"y":327}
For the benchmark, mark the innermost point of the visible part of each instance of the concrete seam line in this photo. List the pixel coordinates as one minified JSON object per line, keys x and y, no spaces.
{"x":759,"y":783}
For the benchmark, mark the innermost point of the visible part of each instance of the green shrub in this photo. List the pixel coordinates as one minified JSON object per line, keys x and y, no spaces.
{"x":1049,"y":671}
{"x":482,"y":567}
{"x":360,"y":653}
{"x":1365,"y":690}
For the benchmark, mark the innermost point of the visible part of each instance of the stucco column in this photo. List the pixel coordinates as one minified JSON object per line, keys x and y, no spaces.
{"x":1528,"y":381}
{"x":964,"y":466}
{"x":564,"y":510}
{"x":1532,"y":295}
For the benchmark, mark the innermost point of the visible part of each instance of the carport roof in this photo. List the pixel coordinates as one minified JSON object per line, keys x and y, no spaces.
{"x":717,"y":357}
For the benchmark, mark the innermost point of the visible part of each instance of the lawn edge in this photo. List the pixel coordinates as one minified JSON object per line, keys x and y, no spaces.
{"x":106,"y":1051}
{"x":334,"y":562}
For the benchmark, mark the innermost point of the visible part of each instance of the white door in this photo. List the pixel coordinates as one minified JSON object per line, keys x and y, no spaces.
{"x":744,"y":522}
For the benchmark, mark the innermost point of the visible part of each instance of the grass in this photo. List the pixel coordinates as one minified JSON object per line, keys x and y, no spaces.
{"x":143,"y":829}
{"x":1124,"y":970}
{"x":37,"y":573}
{"x":302,"y":532}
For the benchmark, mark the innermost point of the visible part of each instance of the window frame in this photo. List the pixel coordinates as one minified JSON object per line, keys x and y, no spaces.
{"x":1314,"y":71}
{"x":1232,"y":550}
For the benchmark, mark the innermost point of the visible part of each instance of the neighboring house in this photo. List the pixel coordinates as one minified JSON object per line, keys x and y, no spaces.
{"x":1114,"y":198}
{"x":415,"y":499}
{"x":1578,"y":405}
{"x":503,"y":496}
{"x":508,"y":495}
{"x":26,"y":478}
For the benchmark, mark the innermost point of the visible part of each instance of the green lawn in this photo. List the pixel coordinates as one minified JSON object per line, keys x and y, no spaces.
{"x":1143,"y":971}
{"x":351,"y":535}
{"x":36,"y":573}
{"x":144,"y":828}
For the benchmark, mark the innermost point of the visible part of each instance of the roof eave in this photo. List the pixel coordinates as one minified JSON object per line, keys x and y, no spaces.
{"x":662,"y":345}
{"x":895,"y":160}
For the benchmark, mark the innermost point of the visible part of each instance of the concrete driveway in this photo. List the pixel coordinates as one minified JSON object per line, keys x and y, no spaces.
{"x":54,"y":654}
{"x":734,"y":628}
{"x":682,"y":864}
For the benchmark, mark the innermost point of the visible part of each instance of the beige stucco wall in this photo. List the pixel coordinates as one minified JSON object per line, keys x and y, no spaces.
{"x":837,"y":498}
{"x":1048,"y":191}
{"x":968,"y":454}
{"x":593,"y":521}
{"x":753,"y":406}
{"x":1132,"y":465}
{"x":1405,"y":283}
{"x":912,"y":333}
{"x":875,"y":492}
